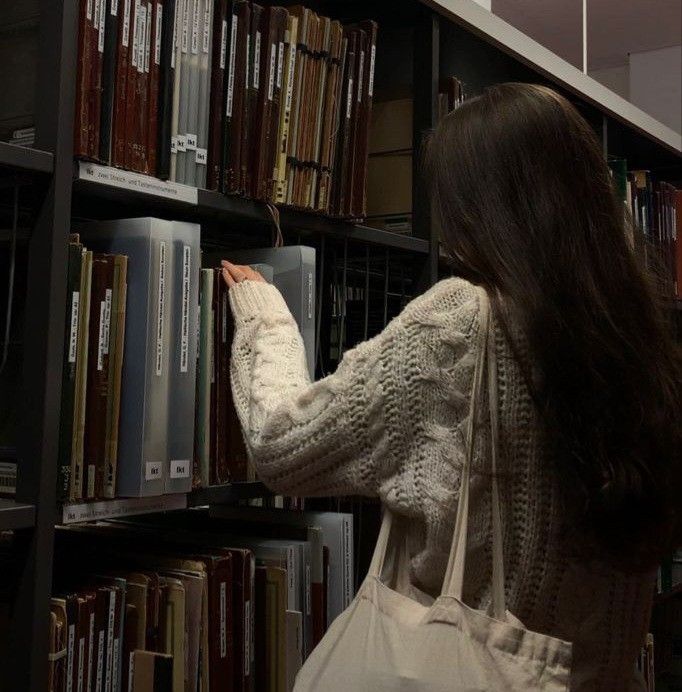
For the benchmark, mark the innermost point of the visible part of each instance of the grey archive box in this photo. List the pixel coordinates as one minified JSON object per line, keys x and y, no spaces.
{"x":184,"y":326}
{"x":293,"y":269}
{"x":143,"y":427}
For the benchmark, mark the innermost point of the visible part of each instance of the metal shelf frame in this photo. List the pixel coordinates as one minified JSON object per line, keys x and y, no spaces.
{"x":32,"y":513}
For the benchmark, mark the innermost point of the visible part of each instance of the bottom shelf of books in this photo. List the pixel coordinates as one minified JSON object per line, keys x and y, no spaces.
{"x":196,"y":601}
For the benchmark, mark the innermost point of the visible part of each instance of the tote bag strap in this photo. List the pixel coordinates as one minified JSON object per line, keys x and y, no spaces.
{"x":486,"y":361}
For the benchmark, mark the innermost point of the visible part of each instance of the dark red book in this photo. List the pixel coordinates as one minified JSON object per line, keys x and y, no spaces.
{"x":98,"y":374}
{"x":81,"y":135}
{"x":221,"y":58}
{"x":118,"y":156}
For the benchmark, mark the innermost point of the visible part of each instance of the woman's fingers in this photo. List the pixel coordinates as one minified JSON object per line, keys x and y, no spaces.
{"x":235,"y":273}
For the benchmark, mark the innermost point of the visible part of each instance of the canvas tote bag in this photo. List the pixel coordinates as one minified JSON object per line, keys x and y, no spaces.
{"x":394,"y":638}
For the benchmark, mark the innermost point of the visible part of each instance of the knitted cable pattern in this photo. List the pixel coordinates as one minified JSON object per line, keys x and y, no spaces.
{"x":391,"y":423}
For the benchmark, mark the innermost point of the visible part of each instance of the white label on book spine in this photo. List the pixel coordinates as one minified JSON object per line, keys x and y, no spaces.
{"x":311,"y":296}
{"x":185,"y":25}
{"x":184,"y":326}
{"x":206,"y":42}
{"x":116,"y":684}
{"x":142,"y":37}
{"x":125,"y":39}
{"x":280,"y":64}
{"x":370,"y":85}
{"x":247,"y":62}
{"x":157,"y":36}
{"x":290,"y":82}
{"x":107,"y":319}
{"x":114,"y":7}
{"x":195,"y":28}
{"x":73,"y":329}
{"x":88,"y":10}
{"x":347,"y":562}
{"x":148,"y":38}
{"x":230,"y":74}
{"x":223,"y":619}
{"x":179,"y":468}
{"x":256,"y":62}
{"x":81,"y":663}
{"x":100,"y":337}
{"x":349,"y":102}
{"x":95,"y":19}
{"x":100,"y":661}
{"x":247,"y":637}
{"x":271,"y":78}
{"x":131,"y":670}
{"x":223,"y":45}
{"x":161,"y":307}
{"x":361,"y":74}
{"x":136,"y":31}
{"x":201,"y":157}
{"x":69,"y":657}
{"x":102,"y":21}
{"x":291,"y":574}
{"x":182,"y":142}
{"x":152,"y":471}
{"x":190,"y":141}
{"x":110,"y":642}
{"x":91,"y":647}
{"x":308,"y":603}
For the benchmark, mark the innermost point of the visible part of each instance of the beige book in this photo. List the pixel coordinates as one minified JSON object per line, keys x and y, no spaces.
{"x":294,"y":646}
{"x":276,"y":608}
{"x":173,"y":628}
{"x":116,"y":346}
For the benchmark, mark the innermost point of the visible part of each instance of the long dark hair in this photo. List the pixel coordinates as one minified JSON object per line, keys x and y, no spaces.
{"x":528,"y":210}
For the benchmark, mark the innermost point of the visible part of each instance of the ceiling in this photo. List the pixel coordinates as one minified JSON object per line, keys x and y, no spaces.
{"x":614,"y":27}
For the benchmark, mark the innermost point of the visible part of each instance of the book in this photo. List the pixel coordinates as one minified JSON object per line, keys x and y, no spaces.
{"x":152,"y":672}
{"x":166,"y":88}
{"x":205,"y":374}
{"x":71,"y":324}
{"x":116,"y":346}
{"x":78,"y":440}
{"x":153,"y":68}
{"x":221,"y":60}
{"x":109,"y":11}
{"x":118,"y":126}
{"x":98,"y":374}
{"x":179,"y":48}
{"x":252,"y":97}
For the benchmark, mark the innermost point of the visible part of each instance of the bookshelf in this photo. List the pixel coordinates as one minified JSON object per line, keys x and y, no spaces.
{"x":420,"y":40}
{"x":15,"y":515}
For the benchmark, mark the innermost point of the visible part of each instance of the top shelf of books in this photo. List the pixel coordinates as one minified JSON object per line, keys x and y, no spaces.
{"x":24,"y":159}
{"x":510,"y":40}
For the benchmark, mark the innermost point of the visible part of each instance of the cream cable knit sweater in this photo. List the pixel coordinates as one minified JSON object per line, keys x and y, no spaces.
{"x":390,"y":422}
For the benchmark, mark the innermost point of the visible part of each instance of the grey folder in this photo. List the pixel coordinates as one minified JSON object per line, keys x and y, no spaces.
{"x":184,"y":319}
{"x":143,"y":448}
{"x":293,"y":270}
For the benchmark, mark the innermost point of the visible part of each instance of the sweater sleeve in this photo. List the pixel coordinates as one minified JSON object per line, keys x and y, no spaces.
{"x":341,"y":435}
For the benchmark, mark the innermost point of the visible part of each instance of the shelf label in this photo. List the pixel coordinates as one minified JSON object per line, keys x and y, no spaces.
{"x":179,"y":468}
{"x":152,"y":471}
{"x":137,"y":182}
{"x":121,"y":507}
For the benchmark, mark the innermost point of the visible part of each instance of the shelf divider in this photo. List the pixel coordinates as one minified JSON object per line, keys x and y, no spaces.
{"x":16,"y":515}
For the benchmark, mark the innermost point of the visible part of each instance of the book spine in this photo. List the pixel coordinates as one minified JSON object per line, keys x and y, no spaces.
{"x":156,"y":37}
{"x":77,"y":443}
{"x":109,"y":74}
{"x":72,"y":314}
{"x":120,"y":93}
{"x":144,"y":91}
{"x":166,"y":86}
{"x":98,"y":374}
{"x":253,"y":79}
{"x":83,"y":75}
{"x":281,"y":19}
{"x":222,"y":356}
{"x":98,"y":34}
{"x":131,"y":126}
{"x":219,"y":63}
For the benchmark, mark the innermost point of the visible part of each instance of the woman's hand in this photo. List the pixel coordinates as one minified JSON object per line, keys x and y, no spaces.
{"x":234,"y":274}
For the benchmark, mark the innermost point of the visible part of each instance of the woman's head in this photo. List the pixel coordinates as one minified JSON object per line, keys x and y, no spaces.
{"x":527,"y":208}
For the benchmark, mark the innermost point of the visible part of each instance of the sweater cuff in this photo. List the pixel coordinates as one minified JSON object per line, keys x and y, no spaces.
{"x":251,"y":299}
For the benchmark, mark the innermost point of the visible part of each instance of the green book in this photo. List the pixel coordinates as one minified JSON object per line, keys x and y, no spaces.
{"x":71,"y":325}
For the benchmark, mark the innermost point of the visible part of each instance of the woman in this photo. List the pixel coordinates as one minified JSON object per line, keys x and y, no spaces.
{"x":587,"y":375}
